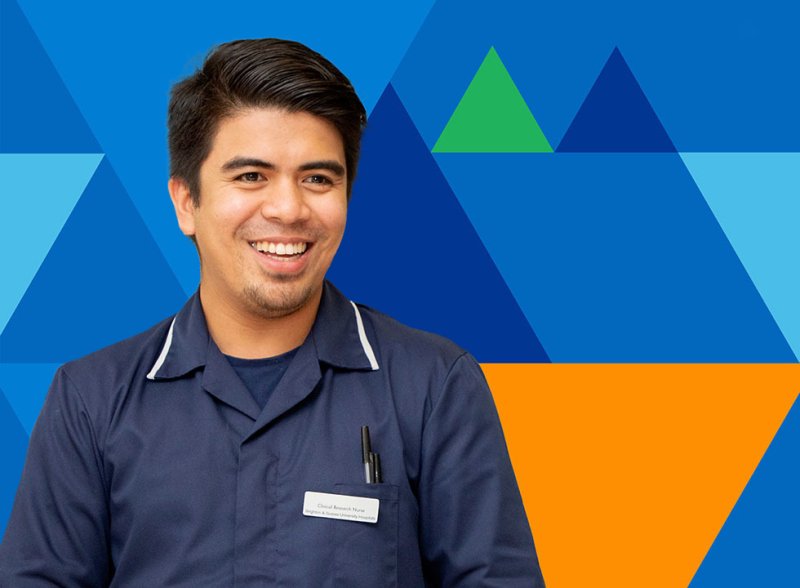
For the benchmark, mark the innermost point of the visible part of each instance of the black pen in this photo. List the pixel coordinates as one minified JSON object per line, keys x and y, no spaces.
{"x":366,"y":449}
{"x":377,"y":475}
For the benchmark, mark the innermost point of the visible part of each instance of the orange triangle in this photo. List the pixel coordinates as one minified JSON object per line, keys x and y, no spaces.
{"x":628,"y":472}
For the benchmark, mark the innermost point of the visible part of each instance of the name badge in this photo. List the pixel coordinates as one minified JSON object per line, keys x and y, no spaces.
{"x":341,"y":506}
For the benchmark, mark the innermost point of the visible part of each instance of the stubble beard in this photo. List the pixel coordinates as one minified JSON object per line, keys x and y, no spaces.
{"x":278,"y":295}
{"x":279,"y":298}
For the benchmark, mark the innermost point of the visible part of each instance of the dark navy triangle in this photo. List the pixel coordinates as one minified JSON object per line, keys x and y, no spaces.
{"x":758,"y":544}
{"x":410,"y":251}
{"x":37,"y":113}
{"x":616,"y":116}
{"x":13,"y":444}
{"x":104,"y":279}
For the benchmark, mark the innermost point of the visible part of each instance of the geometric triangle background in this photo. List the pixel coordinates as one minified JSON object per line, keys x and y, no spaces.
{"x":44,"y":204}
{"x":633,"y":469}
{"x":492,"y":116}
{"x":616,"y":116}
{"x":758,"y":544}
{"x":722,"y":81}
{"x":717,"y":85}
{"x":102,"y":281}
{"x":615,"y":258}
{"x":416,"y":252}
{"x":756,"y":199}
{"x":13,"y":443}
{"x":35,"y":102}
{"x":122,"y":85}
{"x":25,"y":386}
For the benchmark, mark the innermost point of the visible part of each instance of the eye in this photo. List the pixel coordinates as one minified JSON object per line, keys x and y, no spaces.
{"x":319,"y":179}
{"x":250,"y":177}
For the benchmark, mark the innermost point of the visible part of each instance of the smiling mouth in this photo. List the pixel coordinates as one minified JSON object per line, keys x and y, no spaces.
{"x":278,"y":250}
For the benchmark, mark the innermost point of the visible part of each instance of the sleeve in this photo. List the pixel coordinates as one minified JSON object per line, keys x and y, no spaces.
{"x":474,"y":531}
{"x":58,"y":531}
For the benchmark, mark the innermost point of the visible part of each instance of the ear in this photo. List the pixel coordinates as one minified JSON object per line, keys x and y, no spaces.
{"x":184,"y":206}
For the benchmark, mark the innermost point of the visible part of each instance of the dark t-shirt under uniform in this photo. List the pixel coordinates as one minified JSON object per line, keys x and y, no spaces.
{"x":261,"y":376}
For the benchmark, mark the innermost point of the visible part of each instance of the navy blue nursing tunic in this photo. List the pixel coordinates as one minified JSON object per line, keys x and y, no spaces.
{"x":152,"y":465}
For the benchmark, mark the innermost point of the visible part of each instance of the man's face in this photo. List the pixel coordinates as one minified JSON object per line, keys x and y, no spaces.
{"x":272,"y":210}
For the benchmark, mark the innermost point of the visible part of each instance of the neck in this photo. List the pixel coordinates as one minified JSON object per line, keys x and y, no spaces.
{"x":248,"y":335}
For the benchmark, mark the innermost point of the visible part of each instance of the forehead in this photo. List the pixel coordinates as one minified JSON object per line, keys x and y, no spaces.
{"x":276,"y":133}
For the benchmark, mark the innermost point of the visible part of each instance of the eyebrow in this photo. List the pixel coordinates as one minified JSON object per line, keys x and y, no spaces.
{"x":327,"y":164}
{"x":240,"y":162}
{"x":332,"y":166}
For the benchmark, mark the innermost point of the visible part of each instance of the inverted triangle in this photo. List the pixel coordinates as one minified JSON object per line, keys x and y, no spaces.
{"x":632,"y":469}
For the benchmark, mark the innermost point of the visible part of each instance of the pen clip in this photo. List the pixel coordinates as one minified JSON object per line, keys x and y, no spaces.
{"x":366,"y":452}
{"x":375,"y":463}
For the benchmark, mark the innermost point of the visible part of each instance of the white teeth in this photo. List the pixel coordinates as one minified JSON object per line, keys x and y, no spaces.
{"x":286,"y":249}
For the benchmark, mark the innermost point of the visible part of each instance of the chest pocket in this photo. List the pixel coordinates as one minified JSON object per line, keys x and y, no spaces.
{"x":366,"y":553}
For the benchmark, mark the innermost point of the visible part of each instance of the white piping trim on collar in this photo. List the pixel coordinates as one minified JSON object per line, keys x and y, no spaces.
{"x":164,"y":351}
{"x":364,"y":341}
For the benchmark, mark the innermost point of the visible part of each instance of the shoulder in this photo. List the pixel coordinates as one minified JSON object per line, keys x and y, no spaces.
{"x":394,"y":337}
{"x":125,"y":359}
{"x":424,"y":358}
{"x":102,"y":379}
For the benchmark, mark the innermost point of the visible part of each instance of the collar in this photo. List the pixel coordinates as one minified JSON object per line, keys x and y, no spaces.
{"x":338,"y":334}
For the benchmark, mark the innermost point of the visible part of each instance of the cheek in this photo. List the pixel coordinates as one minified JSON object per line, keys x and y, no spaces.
{"x":234,"y":206}
{"x":334,"y":217}
{"x":229,"y":214}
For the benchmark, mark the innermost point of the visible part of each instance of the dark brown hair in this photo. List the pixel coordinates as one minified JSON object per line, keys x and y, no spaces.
{"x":258,"y":73}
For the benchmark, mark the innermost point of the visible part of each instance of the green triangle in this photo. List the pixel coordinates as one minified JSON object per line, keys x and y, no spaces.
{"x":492,"y":117}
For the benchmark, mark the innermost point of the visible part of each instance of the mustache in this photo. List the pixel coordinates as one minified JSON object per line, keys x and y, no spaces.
{"x":272,"y":229}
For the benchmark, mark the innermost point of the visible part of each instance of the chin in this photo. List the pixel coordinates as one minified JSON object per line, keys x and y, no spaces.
{"x":278,"y":301}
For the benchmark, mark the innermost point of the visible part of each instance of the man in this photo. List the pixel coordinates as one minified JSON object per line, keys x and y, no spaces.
{"x":223,"y":447}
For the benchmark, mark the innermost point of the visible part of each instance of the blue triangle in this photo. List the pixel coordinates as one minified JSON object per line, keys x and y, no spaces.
{"x":616,"y":116}
{"x":759,"y":543}
{"x":13,"y":444}
{"x":615,"y":258}
{"x":410,"y":251}
{"x":104,"y":279}
{"x":44,"y":204}
{"x":26,"y":386}
{"x":35,"y":101}
{"x":762,"y":230}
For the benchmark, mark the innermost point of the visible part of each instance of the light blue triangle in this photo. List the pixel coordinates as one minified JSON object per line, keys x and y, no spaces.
{"x":37,"y":195}
{"x":25,"y":387}
{"x":756,"y":199}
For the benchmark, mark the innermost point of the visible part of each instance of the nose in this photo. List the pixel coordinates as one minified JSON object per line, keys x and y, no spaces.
{"x":285,"y":203}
